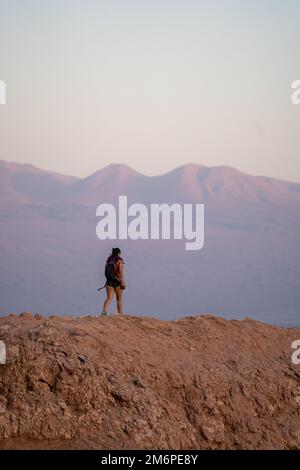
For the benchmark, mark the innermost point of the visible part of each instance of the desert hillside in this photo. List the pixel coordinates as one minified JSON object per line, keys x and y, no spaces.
{"x":136,"y":382}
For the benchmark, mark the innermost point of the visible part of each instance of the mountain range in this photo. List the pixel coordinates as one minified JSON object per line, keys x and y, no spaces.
{"x":51,"y":260}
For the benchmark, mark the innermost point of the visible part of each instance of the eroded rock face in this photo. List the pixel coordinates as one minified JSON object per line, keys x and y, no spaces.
{"x":134,"y":382}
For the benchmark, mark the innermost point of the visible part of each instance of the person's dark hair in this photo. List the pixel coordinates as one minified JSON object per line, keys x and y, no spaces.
{"x":116,"y":251}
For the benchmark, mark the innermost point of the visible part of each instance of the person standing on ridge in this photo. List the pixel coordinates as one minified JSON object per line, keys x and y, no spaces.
{"x":115,"y":281}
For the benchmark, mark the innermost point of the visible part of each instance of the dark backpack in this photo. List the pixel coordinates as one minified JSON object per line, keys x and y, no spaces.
{"x":111,"y":272}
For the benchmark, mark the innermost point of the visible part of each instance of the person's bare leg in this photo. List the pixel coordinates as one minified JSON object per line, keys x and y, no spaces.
{"x":119,"y":294}
{"x":109,"y":296}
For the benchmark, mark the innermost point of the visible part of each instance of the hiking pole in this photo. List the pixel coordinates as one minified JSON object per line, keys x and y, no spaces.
{"x":100,"y":288}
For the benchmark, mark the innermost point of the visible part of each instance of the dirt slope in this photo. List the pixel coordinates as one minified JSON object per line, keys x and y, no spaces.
{"x":135,"y":382}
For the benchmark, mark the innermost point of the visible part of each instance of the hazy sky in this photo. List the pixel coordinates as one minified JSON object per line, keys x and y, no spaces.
{"x":151,"y":83}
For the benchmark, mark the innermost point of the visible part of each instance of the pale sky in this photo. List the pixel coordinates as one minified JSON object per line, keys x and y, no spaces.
{"x":153,"y":84}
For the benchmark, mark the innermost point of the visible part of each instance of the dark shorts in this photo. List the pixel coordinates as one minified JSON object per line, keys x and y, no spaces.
{"x":113,"y":283}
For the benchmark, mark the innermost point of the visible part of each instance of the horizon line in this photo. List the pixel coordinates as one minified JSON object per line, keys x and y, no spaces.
{"x":125,"y":165}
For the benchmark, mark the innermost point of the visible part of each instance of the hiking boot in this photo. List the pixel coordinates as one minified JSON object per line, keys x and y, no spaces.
{"x":103,"y":314}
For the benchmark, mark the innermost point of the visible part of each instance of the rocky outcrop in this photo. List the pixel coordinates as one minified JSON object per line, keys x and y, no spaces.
{"x":133,"y":382}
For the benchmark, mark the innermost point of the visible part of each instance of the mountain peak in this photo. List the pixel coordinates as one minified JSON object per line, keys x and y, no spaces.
{"x":29,"y":168}
{"x":115,"y":171}
{"x":25,"y":182}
